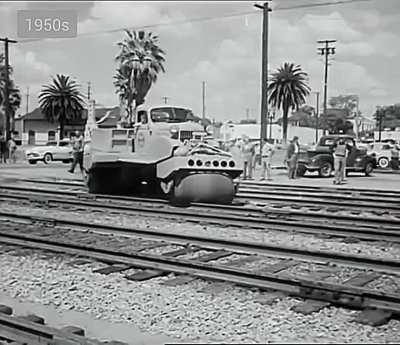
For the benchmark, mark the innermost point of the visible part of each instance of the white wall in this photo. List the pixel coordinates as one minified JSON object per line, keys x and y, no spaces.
{"x":233,"y":131}
{"x":395,"y":135}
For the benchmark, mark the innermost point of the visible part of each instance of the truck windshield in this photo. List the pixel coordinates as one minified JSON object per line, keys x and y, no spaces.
{"x":170,"y":114}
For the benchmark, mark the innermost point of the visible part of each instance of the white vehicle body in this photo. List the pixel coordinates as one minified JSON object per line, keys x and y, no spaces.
{"x":52,"y":151}
{"x":382,"y":152}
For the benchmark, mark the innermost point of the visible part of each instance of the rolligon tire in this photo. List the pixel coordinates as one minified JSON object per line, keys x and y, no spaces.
{"x":206,"y":187}
{"x":102,"y":182}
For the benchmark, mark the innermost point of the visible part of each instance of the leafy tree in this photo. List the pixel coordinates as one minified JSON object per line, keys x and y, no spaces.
{"x":348,"y":102}
{"x":140,"y":61}
{"x":14,"y":98}
{"x":390,"y":116}
{"x":61,"y":101}
{"x":288,"y":89}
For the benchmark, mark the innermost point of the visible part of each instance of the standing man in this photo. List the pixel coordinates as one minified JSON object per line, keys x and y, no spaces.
{"x":12,"y":148}
{"x":291,"y":157}
{"x":77,"y":149}
{"x":340,"y":150}
{"x":247,"y":152}
{"x":3,"y":149}
{"x":266,"y":158}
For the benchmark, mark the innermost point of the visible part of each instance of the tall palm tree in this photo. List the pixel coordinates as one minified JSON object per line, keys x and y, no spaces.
{"x":61,"y":101}
{"x":288,"y":89}
{"x":140,"y":61}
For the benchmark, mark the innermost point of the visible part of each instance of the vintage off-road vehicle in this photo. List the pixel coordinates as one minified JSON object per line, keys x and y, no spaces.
{"x":320,"y":158}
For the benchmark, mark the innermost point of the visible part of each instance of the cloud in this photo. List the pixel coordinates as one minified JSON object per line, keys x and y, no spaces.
{"x":27,"y":67}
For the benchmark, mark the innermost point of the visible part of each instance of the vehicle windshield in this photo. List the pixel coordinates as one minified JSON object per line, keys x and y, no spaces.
{"x":170,"y":114}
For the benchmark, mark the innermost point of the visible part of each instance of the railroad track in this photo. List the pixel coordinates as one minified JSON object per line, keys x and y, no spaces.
{"x":32,"y":330}
{"x":296,"y":197}
{"x":368,"y":228}
{"x":32,"y":232}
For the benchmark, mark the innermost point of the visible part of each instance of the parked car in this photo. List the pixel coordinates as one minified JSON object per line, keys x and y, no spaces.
{"x":320,"y":158}
{"x":383,"y":153}
{"x":52,"y":151}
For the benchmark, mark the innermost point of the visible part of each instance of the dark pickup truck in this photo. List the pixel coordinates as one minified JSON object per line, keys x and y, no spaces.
{"x":320,"y":158}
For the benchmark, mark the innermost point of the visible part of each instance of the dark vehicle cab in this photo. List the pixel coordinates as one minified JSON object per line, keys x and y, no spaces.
{"x":320,"y":158}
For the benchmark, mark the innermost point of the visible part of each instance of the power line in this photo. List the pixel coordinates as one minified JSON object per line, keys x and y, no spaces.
{"x":200,"y":19}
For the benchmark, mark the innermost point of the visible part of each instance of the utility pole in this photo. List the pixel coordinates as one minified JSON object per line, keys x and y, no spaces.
{"x":380,"y":113}
{"x":326,"y":51}
{"x":317,"y":117}
{"x":6,"y":87}
{"x":165,"y":98}
{"x":27,"y":99}
{"x":88,"y":90}
{"x":204,"y":100}
{"x":264,"y":72}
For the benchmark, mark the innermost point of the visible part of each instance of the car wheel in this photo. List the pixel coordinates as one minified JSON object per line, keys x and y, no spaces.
{"x":47,"y":158}
{"x":32,"y":162}
{"x":325,"y":170}
{"x":383,"y":162}
{"x":369,"y":168}
{"x":301,"y":170}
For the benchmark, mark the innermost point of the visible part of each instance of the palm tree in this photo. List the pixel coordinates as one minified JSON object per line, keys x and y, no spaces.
{"x":140,"y":61}
{"x":288,"y":89}
{"x":61,"y":101}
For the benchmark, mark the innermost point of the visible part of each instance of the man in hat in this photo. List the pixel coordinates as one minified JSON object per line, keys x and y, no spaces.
{"x":291,"y":157}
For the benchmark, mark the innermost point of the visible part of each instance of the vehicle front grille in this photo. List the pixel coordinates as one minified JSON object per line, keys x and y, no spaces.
{"x":183,"y":135}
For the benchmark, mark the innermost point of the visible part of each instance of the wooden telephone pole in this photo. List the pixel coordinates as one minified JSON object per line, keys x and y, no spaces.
{"x":264,"y":73}
{"x":6,"y":87}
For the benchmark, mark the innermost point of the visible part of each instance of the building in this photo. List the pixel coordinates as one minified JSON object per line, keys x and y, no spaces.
{"x":233,"y":131}
{"x":34,"y":129}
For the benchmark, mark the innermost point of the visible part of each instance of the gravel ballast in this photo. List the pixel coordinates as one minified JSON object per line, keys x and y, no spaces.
{"x":185,"y":312}
{"x":381,"y":250}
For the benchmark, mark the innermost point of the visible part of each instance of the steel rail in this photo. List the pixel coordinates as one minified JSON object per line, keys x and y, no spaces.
{"x":348,"y":202}
{"x":344,"y":295}
{"x":274,"y":186}
{"x":366,"y":191}
{"x":312,"y":200}
{"x":234,"y":208}
{"x":21,"y":331}
{"x":336,"y":196}
{"x":324,"y":257}
{"x":257,"y":219}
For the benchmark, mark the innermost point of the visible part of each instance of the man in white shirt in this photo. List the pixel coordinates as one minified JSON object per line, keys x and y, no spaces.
{"x":266,"y":157}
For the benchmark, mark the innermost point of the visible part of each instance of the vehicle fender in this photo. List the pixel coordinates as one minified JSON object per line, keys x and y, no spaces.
{"x":322,"y":158}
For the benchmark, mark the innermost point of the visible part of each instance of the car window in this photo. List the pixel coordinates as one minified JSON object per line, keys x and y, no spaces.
{"x":51,"y":143}
{"x":386,"y":147}
{"x":327,"y":142}
{"x":64,"y":143}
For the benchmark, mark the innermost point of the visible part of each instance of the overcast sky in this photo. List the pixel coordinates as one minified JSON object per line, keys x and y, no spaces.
{"x":226,"y":53}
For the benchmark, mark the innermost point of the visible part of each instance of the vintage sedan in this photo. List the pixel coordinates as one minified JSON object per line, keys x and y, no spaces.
{"x":383,"y":153}
{"x":52,"y":151}
{"x":320,"y":158}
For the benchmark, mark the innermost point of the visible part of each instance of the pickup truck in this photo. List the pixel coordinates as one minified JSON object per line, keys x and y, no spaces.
{"x":320,"y":157}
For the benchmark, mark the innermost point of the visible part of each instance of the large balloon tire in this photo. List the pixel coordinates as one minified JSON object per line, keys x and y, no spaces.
{"x":207,"y":188}
{"x":99,"y":182}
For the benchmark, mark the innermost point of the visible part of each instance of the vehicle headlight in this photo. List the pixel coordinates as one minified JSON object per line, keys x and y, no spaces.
{"x":358,"y":159}
{"x":174,"y":130}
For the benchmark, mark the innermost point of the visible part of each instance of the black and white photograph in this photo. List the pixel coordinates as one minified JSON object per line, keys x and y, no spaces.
{"x":199,"y":172}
